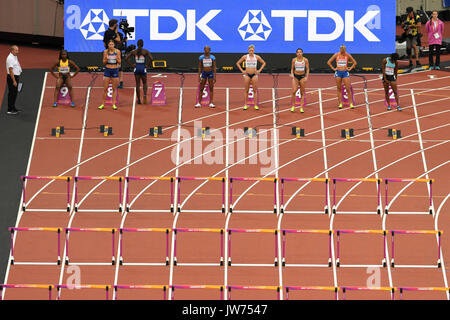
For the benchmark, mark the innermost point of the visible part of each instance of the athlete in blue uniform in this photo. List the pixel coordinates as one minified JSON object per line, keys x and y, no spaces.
{"x":111,"y":59}
{"x":207,"y":71}
{"x":389,"y":70}
{"x":140,"y":68}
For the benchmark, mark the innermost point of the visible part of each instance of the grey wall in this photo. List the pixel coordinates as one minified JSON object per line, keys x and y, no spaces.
{"x":36,"y":17}
{"x":428,"y":5}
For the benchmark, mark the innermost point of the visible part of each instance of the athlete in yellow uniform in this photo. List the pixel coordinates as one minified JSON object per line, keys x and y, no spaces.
{"x":63,"y":76}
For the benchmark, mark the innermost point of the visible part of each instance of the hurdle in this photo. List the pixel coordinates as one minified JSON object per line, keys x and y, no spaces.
{"x":274,"y":180}
{"x":274,"y":231}
{"x":387,"y":203}
{"x":103,"y":178}
{"x":177,"y":230}
{"x":283,"y":180}
{"x":24,"y":199}
{"x":435,"y":232}
{"x":359,"y":180}
{"x":67,"y":230}
{"x":14,"y":229}
{"x":312,"y":288}
{"x":338,"y":246}
{"x":356,"y":288}
{"x":202,"y":286}
{"x":441,"y":289}
{"x":154,"y":179}
{"x":49,"y":287}
{"x":140,"y":287}
{"x":180,"y":179}
{"x":284,"y":232}
{"x":83,"y":286}
{"x":271,"y":288}
{"x":121,"y":234}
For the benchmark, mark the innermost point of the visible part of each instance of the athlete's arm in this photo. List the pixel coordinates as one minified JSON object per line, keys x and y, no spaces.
{"x":263,"y":63}
{"x":52,"y":70}
{"x":128,"y":59}
{"x":240,"y":62}
{"x":333,"y":57}
{"x":214,"y":70}
{"x":150,"y":58}
{"x":119,"y":57}
{"x":105,"y":57}
{"x":383,"y":69}
{"x":396,"y":69}
{"x":77,"y":69}
{"x":307,"y":68}
{"x":199,"y":67}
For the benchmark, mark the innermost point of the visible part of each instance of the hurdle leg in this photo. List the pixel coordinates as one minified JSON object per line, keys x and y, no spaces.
{"x":330,"y":233}
{"x":24,"y":201}
{"x":282,"y":196}
{"x":334,"y":196}
{"x":120,"y":194}
{"x":12,"y":245}
{"x":439,"y":250}
{"x":384,"y":249}
{"x":392,"y":260}
{"x":276,"y":248}
{"x":59,"y":247}
{"x":275,"y":195}
{"x":326,"y":196}
{"x":174,"y":248}
{"x":171,"y":196}
{"x":179,"y":196}
{"x":221,"y":247}
{"x":120,"y":248}
{"x":431,"y":197}
{"x":223,"y":195}
{"x":67,"y":247}
{"x":68,"y":194}
{"x":167,"y":247}
{"x":379,"y":196}
{"x":338,"y":249}
{"x":76,"y":193}
{"x":113,"y":260}
{"x":386,"y":208}
{"x":283,"y":247}
{"x":231,"y":195}
{"x":229,"y":248}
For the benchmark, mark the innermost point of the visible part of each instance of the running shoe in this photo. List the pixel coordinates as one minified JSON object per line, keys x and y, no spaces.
{"x":431,"y":68}
{"x":245,"y":107}
{"x":293,"y":109}
{"x":352,"y":106}
{"x":340,"y":106}
{"x":139,"y":101}
{"x":389,"y":107}
{"x":212,"y":105}
{"x":54,"y":105}
{"x":114,"y":107}
{"x":101,"y":107}
{"x":145,"y":99}
{"x":437,"y":68}
{"x":418,"y":63}
{"x":301,"y":110}
{"x":256,"y":107}
{"x":120,"y":86}
{"x":72,"y":104}
{"x":399,"y":109}
{"x":198,"y":105}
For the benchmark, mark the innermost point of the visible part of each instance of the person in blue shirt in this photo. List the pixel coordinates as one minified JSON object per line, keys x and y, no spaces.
{"x":207,"y":72}
{"x":389,"y":70}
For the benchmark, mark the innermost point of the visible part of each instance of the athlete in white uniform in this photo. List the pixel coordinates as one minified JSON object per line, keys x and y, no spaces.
{"x":299,"y":74}
{"x":251,"y":73}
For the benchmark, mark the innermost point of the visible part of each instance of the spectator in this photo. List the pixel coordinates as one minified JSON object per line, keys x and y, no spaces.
{"x":13,"y":70}
{"x":435,"y":30}
{"x":411,"y":26}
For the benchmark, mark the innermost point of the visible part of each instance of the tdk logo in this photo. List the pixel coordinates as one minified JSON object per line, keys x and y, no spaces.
{"x":254,"y":25}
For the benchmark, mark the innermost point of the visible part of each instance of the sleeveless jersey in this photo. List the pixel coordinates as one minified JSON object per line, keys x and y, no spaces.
{"x":111,"y":58}
{"x":250,"y":62}
{"x":389,"y":69}
{"x":341,"y":61}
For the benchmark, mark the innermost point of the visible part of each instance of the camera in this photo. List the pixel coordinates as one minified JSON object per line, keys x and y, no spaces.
{"x":125,"y":27}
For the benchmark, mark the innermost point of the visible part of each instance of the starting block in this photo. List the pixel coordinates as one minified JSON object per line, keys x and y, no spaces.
{"x":394,"y":133}
{"x":205,"y":98}
{"x":250,"y":132}
{"x":298,"y":132}
{"x":64,"y":96}
{"x":56,"y":132}
{"x":345,"y":100}
{"x":203,"y":132}
{"x":155,"y":131}
{"x":106,"y":130}
{"x":347,"y":133}
{"x":158,"y":94}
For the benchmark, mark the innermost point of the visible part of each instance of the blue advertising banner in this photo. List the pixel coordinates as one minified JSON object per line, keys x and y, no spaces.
{"x":231,"y":26}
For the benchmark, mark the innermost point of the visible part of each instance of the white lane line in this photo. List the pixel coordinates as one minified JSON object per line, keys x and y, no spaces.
{"x":227,"y":175}
{"x":72,"y":208}
{"x":424,"y":160}
{"x":436,"y":227}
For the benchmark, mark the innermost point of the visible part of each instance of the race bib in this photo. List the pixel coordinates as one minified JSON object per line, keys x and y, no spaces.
{"x":207,"y":63}
{"x":436,"y":35}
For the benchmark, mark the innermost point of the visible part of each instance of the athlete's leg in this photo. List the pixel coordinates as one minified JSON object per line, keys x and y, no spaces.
{"x":347,"y":87}
{"x":138,"y":88}
{"x":295,"y":85}
{"x":394,"y":88}
{"x":339,"y":89}
{"x":211,"y":90}
{"x":58,"y":86}
{"x":144,"y":86}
